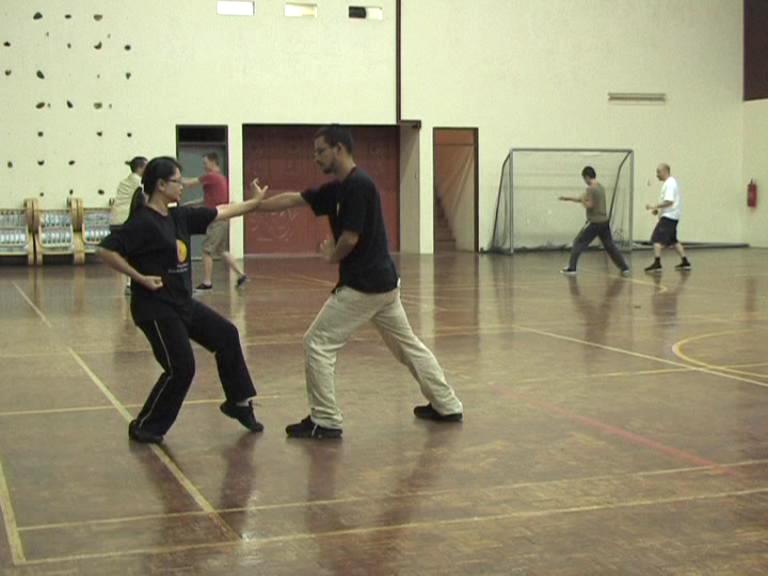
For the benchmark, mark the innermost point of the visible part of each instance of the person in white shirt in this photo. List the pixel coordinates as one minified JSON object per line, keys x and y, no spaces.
{"x":669,"y":210}
{"x":121,"y":203}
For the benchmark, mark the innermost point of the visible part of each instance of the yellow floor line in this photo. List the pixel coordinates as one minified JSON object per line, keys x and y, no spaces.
{"x":697,"y":368}
{"x":9,"y":521}
{"x":32,"y":305}
{"x":181,"y":478}
{"x":414,"y":494}
{"x":677,"y":349}
{"x":431,"y":525}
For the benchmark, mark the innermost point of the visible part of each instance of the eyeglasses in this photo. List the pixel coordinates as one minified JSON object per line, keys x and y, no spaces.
{"x":175,"y":181}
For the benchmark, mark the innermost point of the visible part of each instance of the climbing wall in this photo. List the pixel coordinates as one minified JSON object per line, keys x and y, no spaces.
{"x":86,"y":85}
{"x":66,"y":73}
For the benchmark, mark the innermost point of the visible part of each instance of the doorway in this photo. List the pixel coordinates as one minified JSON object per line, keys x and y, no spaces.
{"x":191,"y":143}
{"x":281,"y":156}
{"x":455,"y":189}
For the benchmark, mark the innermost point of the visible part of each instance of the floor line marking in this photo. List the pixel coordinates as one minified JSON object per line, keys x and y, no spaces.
{"x":677,"y":349}
{"x":520,"y":514}
{"x":172,"y":467}
{"x":632,"y":437}
{"x":645,"y":356}
{"x":74,"y":409}
{"x":387,"y":496}
{"x":9,"y":521}
{"x":32,"y":305}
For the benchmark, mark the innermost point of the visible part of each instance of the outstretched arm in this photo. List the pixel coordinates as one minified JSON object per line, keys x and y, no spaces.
{"x":227,"y":211}
{"x":280,"y":202}
{"x":584,"y":199}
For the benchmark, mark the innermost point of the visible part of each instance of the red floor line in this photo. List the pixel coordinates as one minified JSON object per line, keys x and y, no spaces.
{"x":632,"y":437}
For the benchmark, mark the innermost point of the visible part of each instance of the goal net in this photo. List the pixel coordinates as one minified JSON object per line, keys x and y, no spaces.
{"x":528,"y":213}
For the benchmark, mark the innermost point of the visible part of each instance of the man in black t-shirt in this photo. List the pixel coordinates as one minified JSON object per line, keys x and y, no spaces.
{"x":368,"y":289}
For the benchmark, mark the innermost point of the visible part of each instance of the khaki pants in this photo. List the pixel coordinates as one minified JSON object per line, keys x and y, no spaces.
{"x":343,"y":313}
{"x":216,"y":238}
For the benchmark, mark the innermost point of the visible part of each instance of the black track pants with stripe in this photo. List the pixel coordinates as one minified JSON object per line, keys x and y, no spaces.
{"x":170,"y":339}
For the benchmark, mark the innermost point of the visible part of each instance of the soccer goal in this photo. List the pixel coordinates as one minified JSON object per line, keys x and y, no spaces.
{"x":528,"y":213}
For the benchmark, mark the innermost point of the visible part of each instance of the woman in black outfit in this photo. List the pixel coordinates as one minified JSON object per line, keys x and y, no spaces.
{"x":153,"y":249}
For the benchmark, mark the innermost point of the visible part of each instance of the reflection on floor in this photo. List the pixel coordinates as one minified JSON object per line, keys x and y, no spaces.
{"x":613,"y":426}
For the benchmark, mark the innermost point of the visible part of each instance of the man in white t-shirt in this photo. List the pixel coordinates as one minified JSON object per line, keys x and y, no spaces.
{"x":669,"y":210}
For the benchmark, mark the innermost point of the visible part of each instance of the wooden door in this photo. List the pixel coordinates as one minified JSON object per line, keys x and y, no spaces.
{"x":281,"y":157}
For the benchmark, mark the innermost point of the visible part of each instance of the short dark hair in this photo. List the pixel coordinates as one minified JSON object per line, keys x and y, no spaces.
{"x":588,"y":172}
{"x":335,"y":134}
{"x":136,"y":162}
{"x":213,"y":157}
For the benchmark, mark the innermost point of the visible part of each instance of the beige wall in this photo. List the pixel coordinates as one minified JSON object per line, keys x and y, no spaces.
{"x":188,"y":66}
{"x":530,"y":73}
{"x":756,"y":167}
{"x":526,"y":73}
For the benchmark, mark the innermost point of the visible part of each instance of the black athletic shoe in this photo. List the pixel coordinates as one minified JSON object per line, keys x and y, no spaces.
{"x":684,"y":266}
{"x":428,"y":413}
{"x":243,"y":414}
{"x":568,"y":271}
{"x":242,"y":280}
{"x":308,"y":429}
{"x":138,"y":435}
{"x":203,"y":287}
{"x":654,"y":268}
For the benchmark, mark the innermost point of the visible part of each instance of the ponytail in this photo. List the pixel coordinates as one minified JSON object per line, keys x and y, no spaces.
{"x":138,"y":201}
{"x":160,"y":168}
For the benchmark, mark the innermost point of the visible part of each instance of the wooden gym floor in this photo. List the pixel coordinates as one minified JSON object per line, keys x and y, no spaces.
{"x":613,"y":426}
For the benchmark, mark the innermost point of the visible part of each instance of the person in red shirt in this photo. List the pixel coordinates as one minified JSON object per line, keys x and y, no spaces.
{"x":215,"y":193}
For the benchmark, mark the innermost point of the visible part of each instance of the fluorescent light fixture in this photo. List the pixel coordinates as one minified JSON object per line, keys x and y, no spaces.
{"x":300,"y":10}
{"x":235,"y":8}
{"x":641,"y":97}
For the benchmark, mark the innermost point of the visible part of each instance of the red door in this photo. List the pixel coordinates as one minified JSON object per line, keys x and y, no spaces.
{"x":281,"y":157}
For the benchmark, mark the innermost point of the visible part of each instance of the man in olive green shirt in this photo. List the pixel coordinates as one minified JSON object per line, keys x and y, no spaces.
{"x":598,"y":224}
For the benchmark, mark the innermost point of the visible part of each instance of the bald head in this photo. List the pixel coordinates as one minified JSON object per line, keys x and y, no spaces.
{"x":662,"y":171}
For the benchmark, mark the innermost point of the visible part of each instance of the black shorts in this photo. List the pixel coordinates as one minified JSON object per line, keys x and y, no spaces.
{"x":665,"y":232}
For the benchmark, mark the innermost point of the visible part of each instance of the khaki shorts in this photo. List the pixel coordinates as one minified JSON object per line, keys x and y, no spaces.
{"x":216,"y":238}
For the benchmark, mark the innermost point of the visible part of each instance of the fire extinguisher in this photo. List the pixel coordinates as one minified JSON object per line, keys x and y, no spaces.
{"x":752,"y":194}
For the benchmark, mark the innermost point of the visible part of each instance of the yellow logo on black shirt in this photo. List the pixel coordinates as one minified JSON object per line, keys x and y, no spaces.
{"x":181,"y":250}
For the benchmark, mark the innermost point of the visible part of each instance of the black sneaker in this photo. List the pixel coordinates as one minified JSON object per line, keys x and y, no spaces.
{"x":654,"y":268}
{"x":240,"y":281}
{"x":138,"y":435}
{"x":203,"y":287}
{"x":684,"y":266}
{"x":568,"y":271}
{"x":308,"y":429}
{"x":243,"y":414}
{"x":429,"y":413}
